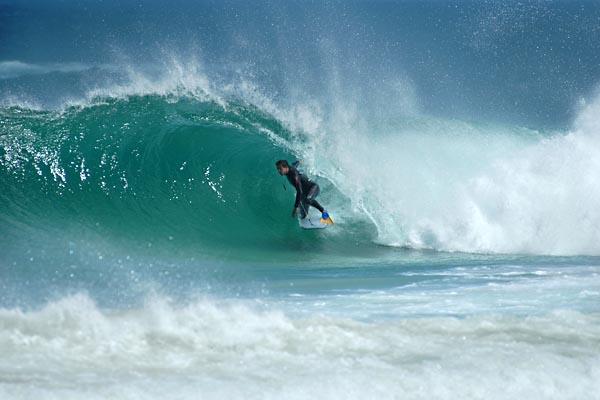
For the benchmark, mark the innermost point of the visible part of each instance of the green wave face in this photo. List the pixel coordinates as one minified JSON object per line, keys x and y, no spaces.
{"x":180,"y":175}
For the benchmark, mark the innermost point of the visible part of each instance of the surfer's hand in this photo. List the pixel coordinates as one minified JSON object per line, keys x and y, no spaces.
{"x":295,"y":212}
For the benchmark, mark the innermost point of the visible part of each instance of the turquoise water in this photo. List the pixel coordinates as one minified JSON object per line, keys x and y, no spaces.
{"x":146,"y":247}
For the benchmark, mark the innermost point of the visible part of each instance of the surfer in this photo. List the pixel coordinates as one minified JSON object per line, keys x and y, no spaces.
{"x":306,"y":190}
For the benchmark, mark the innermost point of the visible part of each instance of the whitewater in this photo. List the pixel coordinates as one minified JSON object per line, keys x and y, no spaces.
{"x":146,"y":248}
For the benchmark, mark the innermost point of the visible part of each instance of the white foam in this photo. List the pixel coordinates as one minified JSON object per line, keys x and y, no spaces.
{"x":72,"y":349}
{"x":450,"y":185}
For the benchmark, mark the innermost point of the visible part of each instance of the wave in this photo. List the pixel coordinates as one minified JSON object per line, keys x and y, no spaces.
{"x":240,"y":350}
{"x":451,"y":185}
{"x":148,"y":169}
{"x":464,"y":187}
{"x":187,"y":157}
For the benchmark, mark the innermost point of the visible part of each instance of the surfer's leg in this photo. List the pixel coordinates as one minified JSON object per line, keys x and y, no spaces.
{"x":312,"y":193}
{"x":316,"y":205}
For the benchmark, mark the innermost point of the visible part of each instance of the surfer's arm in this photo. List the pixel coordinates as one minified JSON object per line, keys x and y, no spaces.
{"x":298,"y":197}
{"x":298,"y":187}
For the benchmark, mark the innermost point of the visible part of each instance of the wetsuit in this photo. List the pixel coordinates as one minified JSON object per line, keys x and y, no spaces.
{"x":306,"y":191}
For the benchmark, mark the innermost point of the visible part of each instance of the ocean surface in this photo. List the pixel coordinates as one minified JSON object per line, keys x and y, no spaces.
{"x":146,"y":244}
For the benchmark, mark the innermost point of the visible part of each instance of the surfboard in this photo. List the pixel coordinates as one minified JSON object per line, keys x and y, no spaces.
{"x":314,"y":222}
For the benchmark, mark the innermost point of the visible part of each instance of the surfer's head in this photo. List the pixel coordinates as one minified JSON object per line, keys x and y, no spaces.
{"x":282,"y":167}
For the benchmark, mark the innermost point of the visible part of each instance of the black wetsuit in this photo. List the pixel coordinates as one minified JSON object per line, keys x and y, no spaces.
{"x":306,"y":191}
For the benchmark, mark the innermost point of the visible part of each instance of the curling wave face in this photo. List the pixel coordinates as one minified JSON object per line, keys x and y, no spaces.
{"x":149,"y":167}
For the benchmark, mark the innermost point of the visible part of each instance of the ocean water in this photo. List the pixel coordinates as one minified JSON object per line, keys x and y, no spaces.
{"x":146,"y":244}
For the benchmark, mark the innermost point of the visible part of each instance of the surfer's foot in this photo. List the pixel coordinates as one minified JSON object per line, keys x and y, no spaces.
{"x":325,"y":215}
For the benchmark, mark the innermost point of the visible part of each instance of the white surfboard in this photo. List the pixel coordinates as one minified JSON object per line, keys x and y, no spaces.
{"x":313,"y":222}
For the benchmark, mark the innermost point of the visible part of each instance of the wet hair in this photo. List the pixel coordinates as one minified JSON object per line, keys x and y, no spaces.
{"x":282,"y":163}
